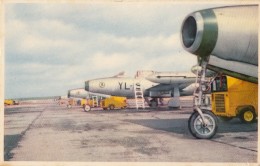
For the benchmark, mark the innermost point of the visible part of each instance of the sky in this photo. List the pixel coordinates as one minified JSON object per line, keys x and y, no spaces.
{"x":53,"y":47}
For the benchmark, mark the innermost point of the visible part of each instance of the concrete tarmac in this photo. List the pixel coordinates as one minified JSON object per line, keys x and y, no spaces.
{"x":56,"y":133}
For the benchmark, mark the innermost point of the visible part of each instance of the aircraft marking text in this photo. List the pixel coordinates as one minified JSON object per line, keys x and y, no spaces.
{"x":123,"y":87}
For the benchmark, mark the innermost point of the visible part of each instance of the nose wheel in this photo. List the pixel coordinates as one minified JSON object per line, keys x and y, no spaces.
{"x":200,"y":129}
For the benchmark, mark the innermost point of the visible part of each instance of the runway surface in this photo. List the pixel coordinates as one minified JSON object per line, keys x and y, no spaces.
{"x":49,"y":132}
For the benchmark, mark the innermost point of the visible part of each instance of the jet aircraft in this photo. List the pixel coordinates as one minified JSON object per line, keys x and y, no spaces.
{"x":154,"y":85}
{"x":225,"y":37}
{"x":225,"y":40}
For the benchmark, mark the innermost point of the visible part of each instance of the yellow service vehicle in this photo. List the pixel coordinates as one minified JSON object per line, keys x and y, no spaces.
{"x":9,"y":102}
{"x":75,"y":102}
{"x":113,"y":102}
{"x":232,"y":97}
{"x":71,"y":102}
{"x":90,"y":102}
{"x":94,"y":101}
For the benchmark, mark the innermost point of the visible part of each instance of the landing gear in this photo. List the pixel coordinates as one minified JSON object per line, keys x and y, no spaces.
{"x":153,"y":103}
{"x":202,"y":122}
{"x":200,"y":129}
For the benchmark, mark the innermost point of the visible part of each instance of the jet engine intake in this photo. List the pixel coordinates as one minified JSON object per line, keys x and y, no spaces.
{"x":229,"y":33}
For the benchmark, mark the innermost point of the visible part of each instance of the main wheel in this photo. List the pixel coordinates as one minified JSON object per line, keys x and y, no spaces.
{"x":247,"y":115}
{"x":153,"y":103}
{"x":87,"y":108}
{"x":200,"y":130}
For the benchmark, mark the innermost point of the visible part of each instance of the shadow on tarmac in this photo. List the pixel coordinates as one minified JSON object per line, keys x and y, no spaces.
{"x":180,"y":126}
{"x":10,"y":142}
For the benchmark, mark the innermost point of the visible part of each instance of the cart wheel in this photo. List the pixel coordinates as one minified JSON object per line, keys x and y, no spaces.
{"x":87,"y":108}
{"x":111,"y":107}
{"x":247,"y":115}
{"x":200,"y":130}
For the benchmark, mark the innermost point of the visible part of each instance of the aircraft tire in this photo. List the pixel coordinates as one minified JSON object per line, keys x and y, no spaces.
{"x":247,"y":115}
{"x":198,"y":129}
{"x":87,"y":108}
{"x":154,"y":104}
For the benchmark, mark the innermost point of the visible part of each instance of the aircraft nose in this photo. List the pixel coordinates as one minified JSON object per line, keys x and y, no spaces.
{"x":87,"y":85}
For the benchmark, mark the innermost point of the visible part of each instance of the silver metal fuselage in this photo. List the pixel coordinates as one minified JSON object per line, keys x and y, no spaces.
{"x":227,"y":37}
{"x":159,"y":86}
{"x":116,"y":86}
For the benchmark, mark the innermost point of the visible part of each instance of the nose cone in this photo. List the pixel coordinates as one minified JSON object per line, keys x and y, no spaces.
{"x":87,"y":85}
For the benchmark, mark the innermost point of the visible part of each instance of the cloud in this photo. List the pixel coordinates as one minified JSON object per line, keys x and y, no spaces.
{"x":52,"y":47}
{"x":103,"y":62}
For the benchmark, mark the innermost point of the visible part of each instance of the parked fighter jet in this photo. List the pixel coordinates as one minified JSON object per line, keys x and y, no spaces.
{"x":226,"y":37}
{"x":153,"y":84}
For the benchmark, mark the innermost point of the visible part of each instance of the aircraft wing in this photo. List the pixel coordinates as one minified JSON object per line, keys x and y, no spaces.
{"x":171,"y":90}
{"x":120,"y":74}
{"x":172,"y":78}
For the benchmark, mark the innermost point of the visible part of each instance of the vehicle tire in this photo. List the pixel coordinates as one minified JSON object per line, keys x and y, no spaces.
{"x":153,"y":104}
{"x":247,"y":115}
{"x":87,"y":108}
{"x":225,"y":119}
{"x":111,"y":106}
{"x":200,"y":130}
